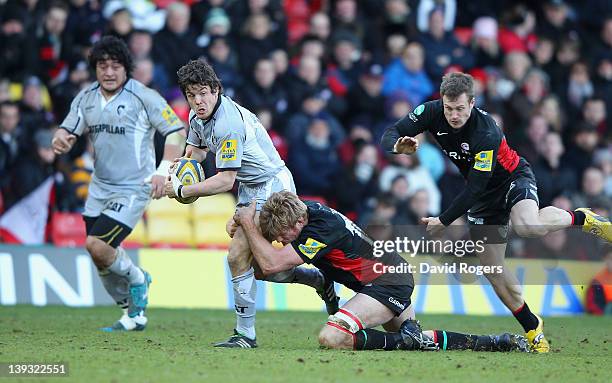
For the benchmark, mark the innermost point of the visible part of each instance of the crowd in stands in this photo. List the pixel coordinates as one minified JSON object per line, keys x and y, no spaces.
{"x":326,"y":77}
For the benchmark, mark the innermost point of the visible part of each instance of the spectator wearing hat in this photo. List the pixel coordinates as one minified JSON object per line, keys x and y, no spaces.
{"x":175,"y":44}
{"x":408,"y":74}
{"x":263,"y":92}
{"x":216,"y":24}
{"x":200,"y":11}
{"x":442,"y":48}
{"x":365,"y":98}
{"x":487,"y":51}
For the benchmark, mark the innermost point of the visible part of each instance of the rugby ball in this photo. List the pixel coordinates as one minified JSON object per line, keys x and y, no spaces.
{"x":189,"y":172}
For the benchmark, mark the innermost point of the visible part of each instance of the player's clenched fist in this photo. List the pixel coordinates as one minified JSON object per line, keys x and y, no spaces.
{"x":62,"y":141}
{"x":406,"y":145}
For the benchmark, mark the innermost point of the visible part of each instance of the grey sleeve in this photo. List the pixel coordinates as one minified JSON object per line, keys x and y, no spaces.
{"x":231,"y":147}
{"x":74,"y":121}
{"x":161,"y":115}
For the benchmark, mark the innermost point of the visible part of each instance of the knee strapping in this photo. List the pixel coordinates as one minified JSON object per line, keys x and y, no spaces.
{"x":347,"y":320}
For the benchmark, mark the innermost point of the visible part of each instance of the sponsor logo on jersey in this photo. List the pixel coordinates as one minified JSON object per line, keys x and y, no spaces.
{"x":465,"y":146}
{"x":169,"y":115}
{"x":419,"y":109}
{"x":441,"y":133}
{"x":484,"y":161}
{"x":228,"y":150}
{"x":120,"y":109}
{"x":105,"y":128}
{"x":311,"y":247}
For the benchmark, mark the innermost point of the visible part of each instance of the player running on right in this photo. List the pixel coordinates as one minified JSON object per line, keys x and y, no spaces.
{"x":316,"y":234}
{"x":500,"y":187}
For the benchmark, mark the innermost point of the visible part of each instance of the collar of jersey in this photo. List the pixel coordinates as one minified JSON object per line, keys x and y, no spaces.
{"x":214,"y":111}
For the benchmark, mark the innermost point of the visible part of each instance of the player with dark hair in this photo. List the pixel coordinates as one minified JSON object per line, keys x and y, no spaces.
{"x":500,"y":187}
{"x":244,"y":152}
{"x":316,"y":234}
{"x":120,"y":115}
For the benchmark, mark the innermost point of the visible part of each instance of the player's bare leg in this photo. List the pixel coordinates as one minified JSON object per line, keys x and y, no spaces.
{"x":530,"y":221}
{"x":348,"y":330}
{"x":124,"y":281}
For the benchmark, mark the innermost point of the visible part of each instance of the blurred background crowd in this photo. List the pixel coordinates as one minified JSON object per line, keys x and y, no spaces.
{"x":326,"y":78}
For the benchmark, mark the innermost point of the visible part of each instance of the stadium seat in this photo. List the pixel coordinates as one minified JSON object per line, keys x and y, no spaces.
{"x":137,"y":238}
{"x":68,"y":229}
{"x":220,"y":205}
{"x":168,"y":208}
{"x":210,"y":233}
{"x":170,"y":232}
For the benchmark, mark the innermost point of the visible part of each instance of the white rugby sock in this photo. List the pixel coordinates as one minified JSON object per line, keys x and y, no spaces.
{"x":116,"y":286}
{"x":245,"y":292}
{"x":123,"y":266}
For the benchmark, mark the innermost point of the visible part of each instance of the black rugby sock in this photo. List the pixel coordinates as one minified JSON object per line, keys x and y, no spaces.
{"x":448,"y":340}
{"x":370,"y":339}
{"x":578,"y":217}
{"x":525,"y":317}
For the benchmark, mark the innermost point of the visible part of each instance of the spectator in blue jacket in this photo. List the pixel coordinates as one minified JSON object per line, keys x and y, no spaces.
{"x":407,"y":74}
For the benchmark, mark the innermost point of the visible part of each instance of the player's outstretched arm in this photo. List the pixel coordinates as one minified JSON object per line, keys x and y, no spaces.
{"x":270,"y":259}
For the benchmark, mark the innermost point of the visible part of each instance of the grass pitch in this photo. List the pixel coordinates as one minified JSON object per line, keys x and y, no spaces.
{"x":177,"y":348}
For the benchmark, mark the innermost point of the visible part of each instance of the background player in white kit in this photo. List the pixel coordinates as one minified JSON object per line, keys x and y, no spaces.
{"x":243,"y":151}
{"x":120,"y":116}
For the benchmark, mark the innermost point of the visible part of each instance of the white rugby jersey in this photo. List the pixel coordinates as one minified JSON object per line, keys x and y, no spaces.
{"x":122,"y":130}
{"x":238,"y":140}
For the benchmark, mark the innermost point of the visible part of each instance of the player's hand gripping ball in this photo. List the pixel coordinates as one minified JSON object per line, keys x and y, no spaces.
{"x":188,"y":172}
